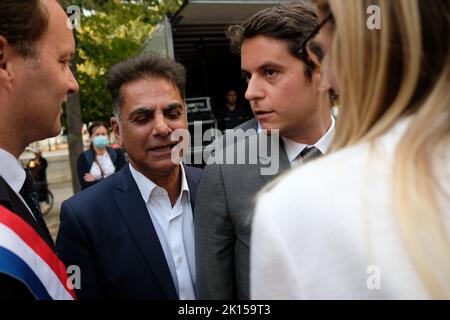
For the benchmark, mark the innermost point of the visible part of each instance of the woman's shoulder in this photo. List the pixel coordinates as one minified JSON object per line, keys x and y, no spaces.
{"x":83,"y":156}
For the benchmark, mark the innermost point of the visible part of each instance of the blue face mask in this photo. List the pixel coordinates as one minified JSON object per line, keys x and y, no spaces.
{"x":100,"y":142}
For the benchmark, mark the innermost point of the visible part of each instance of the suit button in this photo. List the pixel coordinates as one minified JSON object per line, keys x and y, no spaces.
{"x":180,"y":259}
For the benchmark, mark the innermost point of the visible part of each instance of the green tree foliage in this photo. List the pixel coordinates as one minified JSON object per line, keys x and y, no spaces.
{"x":111,"y":31}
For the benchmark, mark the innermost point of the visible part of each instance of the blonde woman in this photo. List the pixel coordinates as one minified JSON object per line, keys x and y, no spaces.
{"x":372,"y":219}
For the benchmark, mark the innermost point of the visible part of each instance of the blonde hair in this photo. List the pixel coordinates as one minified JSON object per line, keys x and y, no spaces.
{"x":386,"y":74}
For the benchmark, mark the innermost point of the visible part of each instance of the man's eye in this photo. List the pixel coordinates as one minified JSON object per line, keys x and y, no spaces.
{"x":270,"y":72}
{"x":140,"y":120}
{"x":66,"y":63}
{"x":174,"y":115}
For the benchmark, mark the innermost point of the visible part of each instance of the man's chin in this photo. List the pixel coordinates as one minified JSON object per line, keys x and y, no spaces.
{"x":49,"y":133}
{"x":166,"y":166}
{"x":56,"y":132}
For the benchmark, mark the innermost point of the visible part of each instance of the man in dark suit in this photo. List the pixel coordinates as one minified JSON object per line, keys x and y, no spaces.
{"x":132,"y":234}
{"x":286,"y":93}
{"x":35,"y":79}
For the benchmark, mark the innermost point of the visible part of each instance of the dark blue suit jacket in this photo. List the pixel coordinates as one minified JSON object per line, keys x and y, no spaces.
{"x":106,"y":230}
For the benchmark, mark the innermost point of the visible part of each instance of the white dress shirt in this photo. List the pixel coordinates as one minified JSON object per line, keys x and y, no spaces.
{"x":329,"y":230}
{"x":175,"y":229}
{"x":12,"y":172}
{"x":293,"y":149}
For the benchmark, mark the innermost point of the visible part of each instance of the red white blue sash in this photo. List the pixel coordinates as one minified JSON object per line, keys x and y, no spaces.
{"x":24,"y":255}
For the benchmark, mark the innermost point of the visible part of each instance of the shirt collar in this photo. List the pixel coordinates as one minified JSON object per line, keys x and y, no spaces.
{"x":146,"y":186}
{"x":293,"y":148}
{"x":258,"y":127}
{"x":184,"y":183}
{"x":11,"y":170}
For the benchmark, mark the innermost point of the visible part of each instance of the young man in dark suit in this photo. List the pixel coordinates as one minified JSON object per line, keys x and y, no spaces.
{"x":132,"y":234}
{"x":35,"y":78}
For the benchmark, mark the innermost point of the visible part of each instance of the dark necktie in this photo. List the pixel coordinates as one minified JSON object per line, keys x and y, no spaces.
{"x":310,"y":153}
{"x":29,"y":194}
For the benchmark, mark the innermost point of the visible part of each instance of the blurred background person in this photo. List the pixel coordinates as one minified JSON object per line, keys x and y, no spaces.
{"x":233,"y":113}
{"x":38,"y":171}
{"x":100,"y":160}
{"x":372,"y":219}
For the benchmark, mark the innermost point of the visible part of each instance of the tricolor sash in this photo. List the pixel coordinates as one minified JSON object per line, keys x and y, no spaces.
{"x":25,"y":256}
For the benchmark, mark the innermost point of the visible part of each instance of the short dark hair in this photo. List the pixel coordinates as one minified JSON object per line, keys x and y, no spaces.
{"x":290,"y":23}
{"x":22,"y":23}
{"x":146,"y":65}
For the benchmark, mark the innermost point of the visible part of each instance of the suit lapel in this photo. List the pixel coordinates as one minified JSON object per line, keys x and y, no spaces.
{"x":9,"y":198}
{"x":192,"y":184}
{"x":135,"y":213}
{"x":282,"y":158}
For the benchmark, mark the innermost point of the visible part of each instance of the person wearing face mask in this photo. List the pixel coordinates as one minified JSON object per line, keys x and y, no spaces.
{"x":100,"y":160}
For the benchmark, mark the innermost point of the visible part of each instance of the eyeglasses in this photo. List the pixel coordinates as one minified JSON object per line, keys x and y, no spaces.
{"x":328,"y":18}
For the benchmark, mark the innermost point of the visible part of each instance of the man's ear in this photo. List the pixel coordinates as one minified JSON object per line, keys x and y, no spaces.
{"x":325,"y":84}
{"x":5,"y":53}
{"x":116,"y":128}
{"x":319,"y":73}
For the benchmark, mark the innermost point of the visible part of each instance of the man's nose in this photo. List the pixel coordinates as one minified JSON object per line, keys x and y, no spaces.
{"x":254,"y":90}
{"x":73,"y":84}
{"x":160,"y":126}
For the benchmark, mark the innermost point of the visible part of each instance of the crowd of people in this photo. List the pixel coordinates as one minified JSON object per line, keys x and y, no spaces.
{"x":359,"y":207}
